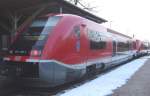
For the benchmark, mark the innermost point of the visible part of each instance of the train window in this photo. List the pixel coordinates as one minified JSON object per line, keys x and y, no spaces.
{"x":52,"y":21}
{"x":97,"y":41}
{"x":42,"y":26}
{"x":130,"y":45}
{"x":36,"y":34}
{"x":123,"y":46}
{"x":145,"y":45}
{"x":40,"y":22}
{"x":97,"y":45}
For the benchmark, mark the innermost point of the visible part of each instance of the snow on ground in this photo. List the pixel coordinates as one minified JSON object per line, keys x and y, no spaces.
{"x":105,"y":84}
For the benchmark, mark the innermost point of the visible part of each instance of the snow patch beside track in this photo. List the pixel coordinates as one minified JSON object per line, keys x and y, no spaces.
{"x":105,"y":84}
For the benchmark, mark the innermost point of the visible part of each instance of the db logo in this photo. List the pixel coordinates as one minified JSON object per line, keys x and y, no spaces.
{"x":17,"y":58}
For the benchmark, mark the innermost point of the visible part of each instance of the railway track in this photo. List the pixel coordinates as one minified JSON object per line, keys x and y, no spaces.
{"x":15,"y":90}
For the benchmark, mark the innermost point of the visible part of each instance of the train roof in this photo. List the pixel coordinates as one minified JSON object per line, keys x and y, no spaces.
{"x":78,"y":11}
{"x":118,"y":33}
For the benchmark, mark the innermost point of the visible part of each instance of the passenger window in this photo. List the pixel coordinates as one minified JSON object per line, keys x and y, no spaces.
{"x":123,"y":46}
{"x":97,"y":41}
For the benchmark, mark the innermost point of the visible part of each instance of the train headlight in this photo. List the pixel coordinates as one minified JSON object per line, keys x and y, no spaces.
{"x":36,"y":53}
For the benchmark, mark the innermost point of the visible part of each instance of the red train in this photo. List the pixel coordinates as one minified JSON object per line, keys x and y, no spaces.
{"x":59,"y":48}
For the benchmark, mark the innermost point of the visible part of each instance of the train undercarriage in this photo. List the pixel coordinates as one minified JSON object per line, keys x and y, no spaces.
{"x":48,"y":74}
{"x":39,"y":74}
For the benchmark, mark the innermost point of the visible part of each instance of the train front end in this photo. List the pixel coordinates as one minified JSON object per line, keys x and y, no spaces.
{"x":24,"y":61}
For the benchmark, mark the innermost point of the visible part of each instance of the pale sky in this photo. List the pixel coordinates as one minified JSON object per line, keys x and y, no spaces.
{"x":126,"y":16}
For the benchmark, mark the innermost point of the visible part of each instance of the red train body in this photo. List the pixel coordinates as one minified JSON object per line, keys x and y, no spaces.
{"x":55,"y":49}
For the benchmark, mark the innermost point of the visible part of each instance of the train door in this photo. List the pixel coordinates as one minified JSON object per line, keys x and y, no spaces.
{"x":81,"y":41}
{"x":114,"y":48}
{"x":83,"y":54}
{"x":79,"y":52}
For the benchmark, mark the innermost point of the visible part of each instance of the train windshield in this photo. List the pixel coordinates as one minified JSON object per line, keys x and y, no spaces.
{"x":35,"y":36}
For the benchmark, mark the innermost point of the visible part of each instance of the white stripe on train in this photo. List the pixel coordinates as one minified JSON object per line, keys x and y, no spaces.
{"x":80,"y":65}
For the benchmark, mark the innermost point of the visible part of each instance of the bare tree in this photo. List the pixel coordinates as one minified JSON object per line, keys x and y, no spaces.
{"x":86,"y":6}
{"x":74,"y":1}
{"x":12,"y":24}
{"x":14,"y":19}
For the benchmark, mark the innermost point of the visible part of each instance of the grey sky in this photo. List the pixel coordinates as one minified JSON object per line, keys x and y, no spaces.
{"x":126,"y":16}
